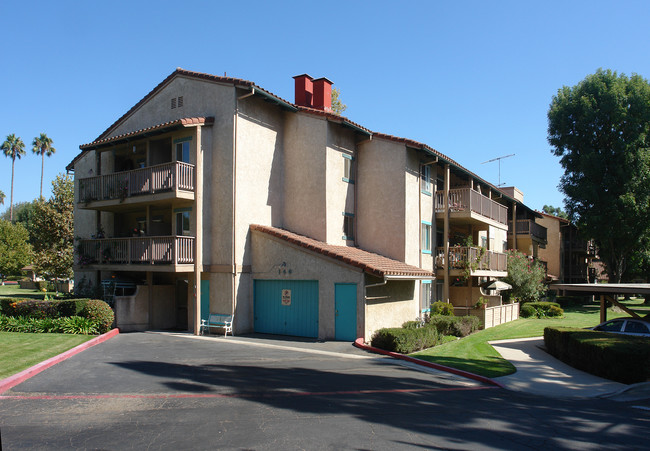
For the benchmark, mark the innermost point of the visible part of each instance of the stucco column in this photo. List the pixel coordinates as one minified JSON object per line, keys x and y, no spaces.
{"x":445,"y":240}
{"x":198,"y":234}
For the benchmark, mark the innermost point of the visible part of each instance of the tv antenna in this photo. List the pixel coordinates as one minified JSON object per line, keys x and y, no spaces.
{"x":499,"y":160}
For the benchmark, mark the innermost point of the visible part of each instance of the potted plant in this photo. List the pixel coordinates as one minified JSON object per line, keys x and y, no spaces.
{"x":481,"y":303}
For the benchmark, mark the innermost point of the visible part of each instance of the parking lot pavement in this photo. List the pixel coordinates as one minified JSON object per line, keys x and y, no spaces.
{"x":177,"y":391}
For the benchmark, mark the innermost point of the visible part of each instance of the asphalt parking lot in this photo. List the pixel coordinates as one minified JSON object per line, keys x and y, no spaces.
{"x":167,"y":391}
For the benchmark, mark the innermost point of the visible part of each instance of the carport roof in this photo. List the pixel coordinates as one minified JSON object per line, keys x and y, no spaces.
{"x":372,"y":263}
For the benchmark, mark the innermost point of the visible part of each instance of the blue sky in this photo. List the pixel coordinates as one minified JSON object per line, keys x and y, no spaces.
{"x":473,"y":79}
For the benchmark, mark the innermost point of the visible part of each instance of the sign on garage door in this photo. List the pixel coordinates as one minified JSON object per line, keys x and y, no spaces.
{"x":286,"y":307}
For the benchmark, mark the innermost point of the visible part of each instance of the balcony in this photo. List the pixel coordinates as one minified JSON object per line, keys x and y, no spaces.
{"x":460,"y":257}
{"x":163,"y":181}
{"x":166,"y":253}
{"x":472,"y":206}
{"x":529,"y":227}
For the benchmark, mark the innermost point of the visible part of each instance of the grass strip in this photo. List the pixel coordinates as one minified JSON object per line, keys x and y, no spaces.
{"x":19,"y":351}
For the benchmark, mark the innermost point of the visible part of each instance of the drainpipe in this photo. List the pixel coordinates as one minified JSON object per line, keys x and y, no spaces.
{"x":445,"y":268}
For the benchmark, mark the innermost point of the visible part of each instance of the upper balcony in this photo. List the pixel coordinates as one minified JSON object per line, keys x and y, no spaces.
{"x":152,"y":184}
{"x":146,"y":253}
{"x":461,"y":258}
{"x":469,"y":206}
{"x":528,"y":227}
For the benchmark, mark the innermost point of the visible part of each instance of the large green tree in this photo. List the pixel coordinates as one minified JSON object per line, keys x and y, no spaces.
{"x":2,"y":197}
{"x":15,"y":251}
{"x":43,"y":147}
{"x":555,"y":211}
{"x":13,"y":147}
{"x":601,"y":130}
{"x":53,"y":232}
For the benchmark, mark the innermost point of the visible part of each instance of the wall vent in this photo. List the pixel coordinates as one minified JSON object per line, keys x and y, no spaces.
{"x":173,"y":103}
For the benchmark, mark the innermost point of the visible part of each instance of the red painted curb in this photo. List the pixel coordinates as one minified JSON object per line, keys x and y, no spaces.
{"x":12,"y":381}
{"x":360,"y":344}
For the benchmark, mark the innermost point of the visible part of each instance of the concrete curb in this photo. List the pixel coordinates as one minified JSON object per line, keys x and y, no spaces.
{"x":12,"y":381}
{"x":360,"y":344}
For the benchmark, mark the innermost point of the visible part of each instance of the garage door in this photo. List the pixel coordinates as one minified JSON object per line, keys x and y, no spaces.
{"x":286,"y":307}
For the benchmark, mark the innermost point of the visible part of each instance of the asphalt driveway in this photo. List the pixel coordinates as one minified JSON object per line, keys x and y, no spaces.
{"x":166,"y":391}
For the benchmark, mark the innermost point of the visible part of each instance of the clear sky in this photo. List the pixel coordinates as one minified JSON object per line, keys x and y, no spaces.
{"x":472,"y":79}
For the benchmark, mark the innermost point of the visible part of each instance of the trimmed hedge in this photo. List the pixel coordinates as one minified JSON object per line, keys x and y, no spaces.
{"x":621,"y":358}
{"x":459,"y":326}
{"x":99,"y":312}
{"x":526,"y":311}
{"x":36,"y":308}
{"x":405,"y":341}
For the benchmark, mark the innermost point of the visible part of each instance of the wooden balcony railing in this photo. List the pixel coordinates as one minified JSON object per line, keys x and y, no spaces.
{"x":466,"y":199}
{"x":149,"y":250}
{"x":462,"y":256}
{"x":529,"y":227}
{"x":149,"y":180}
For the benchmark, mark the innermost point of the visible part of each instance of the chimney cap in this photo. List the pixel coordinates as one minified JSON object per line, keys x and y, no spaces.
{"x":325,"y":79}
{"x":304,"y":75}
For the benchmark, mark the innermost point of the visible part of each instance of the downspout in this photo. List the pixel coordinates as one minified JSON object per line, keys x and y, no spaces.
{"x":445,"y":286}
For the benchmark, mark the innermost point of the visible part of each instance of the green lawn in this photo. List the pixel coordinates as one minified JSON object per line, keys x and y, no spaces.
{"x":474,"y":354}
{"x":19,"y":351}
{"x":14,"y":291}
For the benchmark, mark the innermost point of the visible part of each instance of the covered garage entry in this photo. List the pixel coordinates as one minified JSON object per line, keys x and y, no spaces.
{"x":286,"y":307}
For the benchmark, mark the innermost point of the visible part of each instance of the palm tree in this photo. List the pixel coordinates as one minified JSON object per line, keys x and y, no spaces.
{"x":13,"y":147}
{"x":43,"y":146}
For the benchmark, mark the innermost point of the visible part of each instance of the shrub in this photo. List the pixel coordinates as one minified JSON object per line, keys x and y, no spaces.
{"x":33,"y":308}
{"x":411,"y":325}
{"x":442,"y":308}
{"x":459,"y":326}
{"x":554,"y":311}
{"x":100,"y":312}
{"x":525,"y":275}
{"x":71,"y":325}
{"x":526,"y":311}
{"x":621,"y":358}
{"x":405,"y":341}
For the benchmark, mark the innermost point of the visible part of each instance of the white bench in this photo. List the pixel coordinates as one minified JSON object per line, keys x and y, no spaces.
{"x":217,"y":320}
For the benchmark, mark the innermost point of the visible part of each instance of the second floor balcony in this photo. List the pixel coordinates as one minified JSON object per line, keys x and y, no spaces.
{"x":162,"y":181}
{"x":147,"y":253}
{"x":470,"y":205}
{"x":462,"y":258}
{"x":528,"y":227}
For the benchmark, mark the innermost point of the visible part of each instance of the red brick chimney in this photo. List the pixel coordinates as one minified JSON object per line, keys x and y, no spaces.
{"x":304,"y":90}
{"x":323,"y":94}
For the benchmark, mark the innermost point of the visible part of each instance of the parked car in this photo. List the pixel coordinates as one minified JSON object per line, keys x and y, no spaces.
{"x":627,"y":326}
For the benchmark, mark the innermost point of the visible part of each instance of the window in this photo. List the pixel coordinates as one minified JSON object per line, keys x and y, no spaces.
{"x":610,"y":326}
{"x":348,"y":168}
{"x":426,"y":237}
{"x":183,"y":150}
{"x":348,"y":226}
{"x":636,"y":327}
{"x":484,"y":242}
{"x":425,"y":296}
{"x":425,"y":175}
{"x":183,"y":223}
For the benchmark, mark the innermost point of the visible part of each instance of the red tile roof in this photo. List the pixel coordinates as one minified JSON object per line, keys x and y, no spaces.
{"x":183,"y":121}
{"x":372,"y":263}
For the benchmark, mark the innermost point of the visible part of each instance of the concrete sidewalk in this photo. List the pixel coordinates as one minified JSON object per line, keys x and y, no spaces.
{"x":540,"y":373}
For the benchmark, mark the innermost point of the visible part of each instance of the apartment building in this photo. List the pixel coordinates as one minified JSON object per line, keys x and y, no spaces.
{"x":212,"y":194}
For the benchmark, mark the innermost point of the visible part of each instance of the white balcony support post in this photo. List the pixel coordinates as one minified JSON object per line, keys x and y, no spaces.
{"x":198,"y":228}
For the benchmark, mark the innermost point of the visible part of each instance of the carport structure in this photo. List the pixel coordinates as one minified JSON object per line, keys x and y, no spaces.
{"x":606,"y":292}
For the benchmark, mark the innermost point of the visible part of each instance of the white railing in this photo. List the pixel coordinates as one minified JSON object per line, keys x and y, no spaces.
{"x":461,"y":257}
{"x":149,"y":180}
{"x":151,"y":250}
{"x":466,"y":199}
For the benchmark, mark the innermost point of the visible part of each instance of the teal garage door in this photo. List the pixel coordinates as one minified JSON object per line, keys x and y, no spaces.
{"x":286,"y":307}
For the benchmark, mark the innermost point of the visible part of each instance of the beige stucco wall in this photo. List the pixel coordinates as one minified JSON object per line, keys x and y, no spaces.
{"x":305,"y":160}
{"x":339,"y":194}
{"x":381,"y":194}
{"x":390,"y":305}
{"x":269,"y":252}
